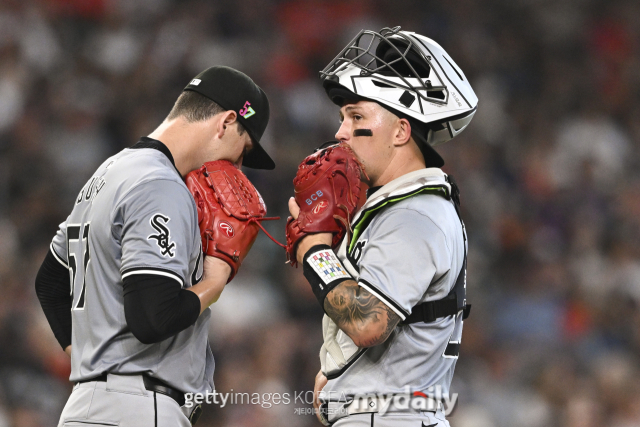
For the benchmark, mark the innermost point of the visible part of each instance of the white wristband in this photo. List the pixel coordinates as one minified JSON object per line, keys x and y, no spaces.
{"x":327,"y":265}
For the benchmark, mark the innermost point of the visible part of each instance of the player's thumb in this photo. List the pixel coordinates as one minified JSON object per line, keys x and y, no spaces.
{"x":294,"y":208}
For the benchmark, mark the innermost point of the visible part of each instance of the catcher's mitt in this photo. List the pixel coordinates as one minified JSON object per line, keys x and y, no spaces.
{"x":327,"y":189}
{"x":229,"y":211}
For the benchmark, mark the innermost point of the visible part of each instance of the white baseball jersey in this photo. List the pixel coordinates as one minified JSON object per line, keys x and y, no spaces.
{"x":408,"y":248}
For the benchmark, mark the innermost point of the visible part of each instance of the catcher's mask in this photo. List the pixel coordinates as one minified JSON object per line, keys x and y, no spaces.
{"x":408,"y":74}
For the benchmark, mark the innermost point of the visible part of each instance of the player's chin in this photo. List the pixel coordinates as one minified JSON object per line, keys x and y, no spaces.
{"x":364,"y":177}
{"x":236,"y":162}
{"x":366,"y":180}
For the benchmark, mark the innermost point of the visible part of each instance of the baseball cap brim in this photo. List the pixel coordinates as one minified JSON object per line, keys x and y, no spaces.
{"x":257,"y":158}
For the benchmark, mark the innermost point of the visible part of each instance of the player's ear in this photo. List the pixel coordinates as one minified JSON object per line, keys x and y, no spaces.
{"x":230,"y":117}
{"x":224,"y":121}
{"x":402,"y":132}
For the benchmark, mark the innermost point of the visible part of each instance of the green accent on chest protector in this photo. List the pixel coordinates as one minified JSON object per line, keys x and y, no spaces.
{"x":370,"y":213}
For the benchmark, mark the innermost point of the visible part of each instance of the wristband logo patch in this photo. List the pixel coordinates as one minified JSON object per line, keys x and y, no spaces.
{"x":327,"y":265}
{"x":227,"y":228}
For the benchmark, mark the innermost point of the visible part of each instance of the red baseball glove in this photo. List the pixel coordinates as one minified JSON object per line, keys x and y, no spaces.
{"x":327,"y":189}
{"x":229,"y":211}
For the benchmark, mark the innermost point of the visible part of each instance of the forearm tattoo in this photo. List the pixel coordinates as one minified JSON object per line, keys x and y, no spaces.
{"x":356,"y":311}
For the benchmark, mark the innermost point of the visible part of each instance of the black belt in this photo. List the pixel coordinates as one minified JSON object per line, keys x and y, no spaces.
{"x":150,"y":384}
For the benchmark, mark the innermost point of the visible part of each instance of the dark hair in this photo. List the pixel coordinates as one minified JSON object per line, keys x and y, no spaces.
{"x":196,"y":108}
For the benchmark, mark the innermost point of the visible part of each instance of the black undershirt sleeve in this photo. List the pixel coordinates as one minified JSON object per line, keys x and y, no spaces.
{"x":54,"y":292}
{"x":156,"y":307}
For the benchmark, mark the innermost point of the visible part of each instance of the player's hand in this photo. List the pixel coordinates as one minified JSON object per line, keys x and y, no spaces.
{"x":68,"y":350}
{"x":310,"y":240}
{"x":215,"y":276}
{"x":321,"y":381}
{"x":215,"y":268}
{"x":294,"y":209}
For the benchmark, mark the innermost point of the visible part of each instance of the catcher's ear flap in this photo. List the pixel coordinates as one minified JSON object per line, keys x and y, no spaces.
{"x":326,"y":145}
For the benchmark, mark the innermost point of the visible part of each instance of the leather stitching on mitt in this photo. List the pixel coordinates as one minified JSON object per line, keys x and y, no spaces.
{"x":327,"y":189}
{"x":230,"y":210}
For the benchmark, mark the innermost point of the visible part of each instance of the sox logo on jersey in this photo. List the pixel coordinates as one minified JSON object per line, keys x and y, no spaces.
{"x":163,"y":238}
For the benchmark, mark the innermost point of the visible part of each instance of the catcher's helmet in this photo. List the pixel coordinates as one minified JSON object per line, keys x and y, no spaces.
{"x":410,"y":75}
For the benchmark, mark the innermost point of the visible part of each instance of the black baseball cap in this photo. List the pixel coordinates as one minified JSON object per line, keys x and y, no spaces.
{"x":234,"y":90}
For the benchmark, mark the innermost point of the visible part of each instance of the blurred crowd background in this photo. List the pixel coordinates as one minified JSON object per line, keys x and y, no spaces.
{"x":548,"y":169}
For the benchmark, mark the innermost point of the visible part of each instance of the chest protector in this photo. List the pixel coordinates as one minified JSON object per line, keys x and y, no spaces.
{"x":338,"y":351}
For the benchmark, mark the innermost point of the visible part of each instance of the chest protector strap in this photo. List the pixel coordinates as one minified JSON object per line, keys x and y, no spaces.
{"x":450,"y":305}
{"x":456,"y":300}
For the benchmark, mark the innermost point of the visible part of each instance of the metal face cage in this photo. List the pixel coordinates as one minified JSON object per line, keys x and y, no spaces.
{"x":403,"y":59}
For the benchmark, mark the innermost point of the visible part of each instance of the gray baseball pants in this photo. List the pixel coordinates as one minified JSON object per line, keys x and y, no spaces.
{"x":121,"y":401}
{"x":428,"y":419}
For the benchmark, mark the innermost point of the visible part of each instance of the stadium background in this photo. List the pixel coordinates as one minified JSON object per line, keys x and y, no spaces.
{"x":548,"y":171}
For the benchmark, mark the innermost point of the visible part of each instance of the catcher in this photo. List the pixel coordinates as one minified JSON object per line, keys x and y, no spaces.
{"x":391,"y":275}
{"x":131,"y":251}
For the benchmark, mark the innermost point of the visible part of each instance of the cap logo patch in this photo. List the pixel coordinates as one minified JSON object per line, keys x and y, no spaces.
{"x":247,"y":111}
{"x":195,"y":82}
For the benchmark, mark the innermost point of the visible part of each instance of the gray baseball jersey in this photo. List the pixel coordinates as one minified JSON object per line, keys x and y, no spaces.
{"x":410,"y":252}
{"x":134,"y":216}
